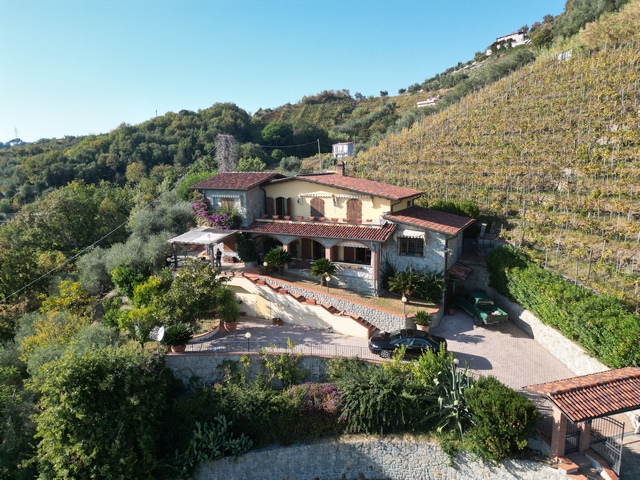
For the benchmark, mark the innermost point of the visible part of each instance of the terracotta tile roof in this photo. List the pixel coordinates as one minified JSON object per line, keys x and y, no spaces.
{"x":235,"y":180}
{"x":360,"y":185}
{"x":431,"y":219}
{"x":325,"y":230}
{"x":595,"y":395}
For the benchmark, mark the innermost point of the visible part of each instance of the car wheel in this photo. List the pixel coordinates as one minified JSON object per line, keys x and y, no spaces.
{"x":476,"y":321}
{"x":385,"y":353}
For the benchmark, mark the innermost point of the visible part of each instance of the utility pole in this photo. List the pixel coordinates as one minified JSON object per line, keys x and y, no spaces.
{"x":319,"y":157}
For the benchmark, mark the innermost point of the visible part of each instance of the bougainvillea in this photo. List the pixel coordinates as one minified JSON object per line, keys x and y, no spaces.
{"x":205,"y":215}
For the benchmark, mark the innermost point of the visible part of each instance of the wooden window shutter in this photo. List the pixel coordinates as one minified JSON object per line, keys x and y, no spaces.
{"x":354,"y":209}
{"x":288,"y":209}
{"x":270,"y":206}
{"x":227,"y":202}
{"x":317,"y":207}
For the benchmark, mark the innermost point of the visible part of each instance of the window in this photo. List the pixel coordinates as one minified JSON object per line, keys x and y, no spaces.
{"x":354,"y":209}
{"x":348,"y":254}
{"x":283,"y":206}
{"x":227,"y":203}
{"x":411,"y":246}
{"x":317,"y":207}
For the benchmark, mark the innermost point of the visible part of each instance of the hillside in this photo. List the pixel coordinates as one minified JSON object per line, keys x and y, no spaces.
{"x":551,"y":153}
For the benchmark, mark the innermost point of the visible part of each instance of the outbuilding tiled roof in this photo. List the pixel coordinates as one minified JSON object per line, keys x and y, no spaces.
{"x":595,"y":395}
{"x":431,"y":219}
{"x":360,"y":185}
{"x":235,"y":180}
{"x":325,"y":230}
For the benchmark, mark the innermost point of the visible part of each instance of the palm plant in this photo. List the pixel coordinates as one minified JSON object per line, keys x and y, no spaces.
{"x":277,"y":258}
{"x":323,"y":268}
{"x":406,"y":282}
{"x":227,"y":304}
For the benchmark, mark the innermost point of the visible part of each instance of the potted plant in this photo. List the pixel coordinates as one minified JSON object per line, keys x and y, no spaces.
{"x":227,"y":307}
{"x":287,"y":217}
{"x":177,"y":335}
{"x":422,"y":319}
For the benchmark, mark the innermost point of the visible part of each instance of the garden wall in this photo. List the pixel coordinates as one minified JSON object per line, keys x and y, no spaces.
{"x":367,"y":458}
{"x":205,"y":368}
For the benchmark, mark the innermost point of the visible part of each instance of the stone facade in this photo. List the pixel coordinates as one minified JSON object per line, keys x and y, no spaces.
{"x":368,"y":458}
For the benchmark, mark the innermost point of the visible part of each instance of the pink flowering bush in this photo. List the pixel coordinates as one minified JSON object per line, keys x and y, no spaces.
{"x":224,"y":219}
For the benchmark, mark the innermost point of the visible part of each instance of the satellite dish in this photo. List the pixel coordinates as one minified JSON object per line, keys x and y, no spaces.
{"x":160,"y":335}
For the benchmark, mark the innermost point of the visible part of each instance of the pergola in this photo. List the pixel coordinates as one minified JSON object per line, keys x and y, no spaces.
{"x":205,"y":236}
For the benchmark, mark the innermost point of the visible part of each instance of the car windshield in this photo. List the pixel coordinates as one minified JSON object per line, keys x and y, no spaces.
{"x":395,"y":335}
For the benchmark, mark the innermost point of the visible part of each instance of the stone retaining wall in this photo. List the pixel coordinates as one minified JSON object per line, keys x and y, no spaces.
{"x":206,"y":368}
{"x":368,"y":458}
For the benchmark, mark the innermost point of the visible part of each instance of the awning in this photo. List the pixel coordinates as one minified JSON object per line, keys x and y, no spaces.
{"x":460,"y":271}
{"x":411,"y":233}
{"x":203,"y":236}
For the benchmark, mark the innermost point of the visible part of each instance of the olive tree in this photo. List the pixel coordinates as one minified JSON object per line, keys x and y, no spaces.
{"x":101,"y":410}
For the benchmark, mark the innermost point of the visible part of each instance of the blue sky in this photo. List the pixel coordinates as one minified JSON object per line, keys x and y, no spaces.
{"x":76,"y":67}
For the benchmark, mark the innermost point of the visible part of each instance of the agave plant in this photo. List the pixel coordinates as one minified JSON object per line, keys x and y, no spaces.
{"x":447,"y":402}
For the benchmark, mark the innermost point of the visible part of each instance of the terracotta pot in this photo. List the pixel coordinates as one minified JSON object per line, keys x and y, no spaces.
{"x":230,"y":327}
{"x":452,"y":310}
{"x":178,"y":348}
{"x":287,"y":217}
{"x":275,"y":217}
{"x":424,"y":328}
{"x":299,"y":217}
{"x":311,"y":219}
{"x":334,"y":219}
{"x":322,"y":219}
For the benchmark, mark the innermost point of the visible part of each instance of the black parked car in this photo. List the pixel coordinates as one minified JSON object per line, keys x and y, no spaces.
{"x":416,"y":341}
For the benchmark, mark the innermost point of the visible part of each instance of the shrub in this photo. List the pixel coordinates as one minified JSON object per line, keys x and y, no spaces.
{"x":448,"y":401}
{"x":378,"y":400}
{"x":246,"y":247}
{"x":210,"y":441}
{"x":283,"y":366}
{"x":503,"y":419}
{"x":100,"y":413}
{"x":125,"y":279}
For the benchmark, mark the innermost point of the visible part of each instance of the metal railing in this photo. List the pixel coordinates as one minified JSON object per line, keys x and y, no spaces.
{"x":239,"y":347}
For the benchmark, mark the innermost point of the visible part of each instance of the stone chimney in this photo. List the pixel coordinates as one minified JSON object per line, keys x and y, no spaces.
{"x":340,"y":168}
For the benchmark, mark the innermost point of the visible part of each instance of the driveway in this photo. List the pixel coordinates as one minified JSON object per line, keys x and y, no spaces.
{"x":503,"y":351}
